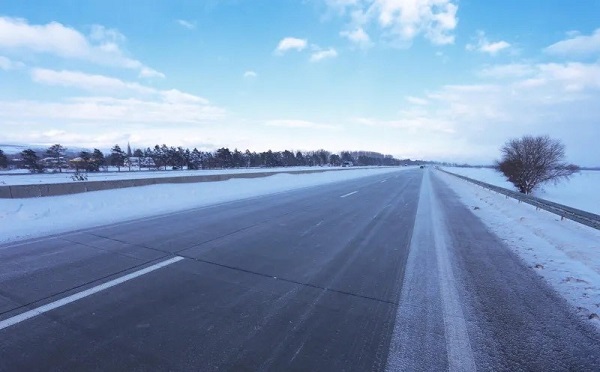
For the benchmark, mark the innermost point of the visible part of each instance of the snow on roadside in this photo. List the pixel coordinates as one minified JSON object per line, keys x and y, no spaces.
{"x":35,"y":217}
{"x":23,"y":177}
{"x":580,"y":192}
{"x":565,"y":253}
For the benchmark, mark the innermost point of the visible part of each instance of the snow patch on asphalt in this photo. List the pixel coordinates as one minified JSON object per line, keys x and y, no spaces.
{"x":35,"y":217}
{"x":563,"y":252}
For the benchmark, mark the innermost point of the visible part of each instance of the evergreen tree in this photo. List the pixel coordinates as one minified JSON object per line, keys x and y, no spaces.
{"x":117,"y":157}
{"x":31,"y":161}
{"x":300,"y":158}
{"x":86,"y":160}
{"x":346,"y":156}
{"x":224,"y":158}
{"x":270,"y":159}
{"x":195,"y":161}
{"x":97,"y":160}
{"x":288,"y":159}
{"x":237,"y":159}
{"x":335,"y":160}
{"x":3,"y":160}
{"x":57,"y":153}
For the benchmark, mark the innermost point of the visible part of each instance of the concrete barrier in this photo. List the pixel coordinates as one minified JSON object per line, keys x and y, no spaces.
{"x":56,"y":189}
{"x":5,"y":192}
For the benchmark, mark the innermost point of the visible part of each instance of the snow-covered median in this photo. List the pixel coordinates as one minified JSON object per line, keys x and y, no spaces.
{"x":565,"y":253}
{"x":33,"y":217}
{"x":580,"y":192}
{"x":21,"y":177}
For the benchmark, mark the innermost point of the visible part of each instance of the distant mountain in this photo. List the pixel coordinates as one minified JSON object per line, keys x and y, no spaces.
{"x":12,"y":149}
{"x":15,"y":149}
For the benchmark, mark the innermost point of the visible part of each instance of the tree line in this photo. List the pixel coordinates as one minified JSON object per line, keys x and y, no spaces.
{"x":165,"y":157}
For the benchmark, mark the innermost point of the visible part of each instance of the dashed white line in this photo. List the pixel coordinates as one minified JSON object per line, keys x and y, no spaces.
{"x":348,"y":194}
{"x":88,"y":292}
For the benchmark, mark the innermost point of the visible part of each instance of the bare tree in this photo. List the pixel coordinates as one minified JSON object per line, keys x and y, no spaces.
{"x":530,"y":161}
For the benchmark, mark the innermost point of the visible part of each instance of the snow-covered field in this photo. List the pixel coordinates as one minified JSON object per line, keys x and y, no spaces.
{"x":33,"y":217}
{"x":565,"y":253}
{"x":581,"y":191}
{"x":22,"y":177}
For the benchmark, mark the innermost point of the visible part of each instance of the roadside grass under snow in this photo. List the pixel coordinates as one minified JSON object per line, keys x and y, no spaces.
{"x":580,"y":192}
{"x":565,"y":253}
{"x":35,"y":217}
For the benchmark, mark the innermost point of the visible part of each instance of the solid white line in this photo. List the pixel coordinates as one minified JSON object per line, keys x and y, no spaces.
{"x":88,"y":292}
{"x":351,"y":193}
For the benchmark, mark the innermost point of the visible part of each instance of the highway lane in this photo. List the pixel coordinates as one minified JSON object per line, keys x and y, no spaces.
{"x":388,"y":271}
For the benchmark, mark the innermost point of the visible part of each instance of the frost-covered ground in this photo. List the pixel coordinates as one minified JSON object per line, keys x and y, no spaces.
{"x":581,"y":191}
{"x":33,"y":217}
{"x":21,"y":177}
{"x":565,"y":253}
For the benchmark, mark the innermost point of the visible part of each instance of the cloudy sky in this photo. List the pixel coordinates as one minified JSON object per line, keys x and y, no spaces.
{"x":432,"y":79}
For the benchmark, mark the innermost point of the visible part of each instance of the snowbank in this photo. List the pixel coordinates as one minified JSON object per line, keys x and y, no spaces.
{"x":566,"y":254}
{"x":23,"y":177}
{"x":580,"y":192}
{"x":33,"y":217}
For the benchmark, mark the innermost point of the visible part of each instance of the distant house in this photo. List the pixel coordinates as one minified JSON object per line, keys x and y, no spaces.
{"x":140,"y":162}
{"x":347,"y":164}
{"x":77,"y":163}
{"x":51,"y":162}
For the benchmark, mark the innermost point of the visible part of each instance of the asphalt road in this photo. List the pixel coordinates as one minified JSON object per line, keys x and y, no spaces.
{"x":389,"y":272}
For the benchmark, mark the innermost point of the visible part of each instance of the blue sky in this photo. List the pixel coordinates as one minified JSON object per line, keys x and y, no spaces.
{"x":434,"y":79}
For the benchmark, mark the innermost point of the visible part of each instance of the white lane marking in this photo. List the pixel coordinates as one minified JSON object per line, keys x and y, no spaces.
{"x":88,"y":292}
{"x":429,"y":237}
{"x":348,"y":194}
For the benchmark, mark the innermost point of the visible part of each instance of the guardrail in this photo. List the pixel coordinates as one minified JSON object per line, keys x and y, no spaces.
{"x":66,"y":188}
{"x":577,"y":215}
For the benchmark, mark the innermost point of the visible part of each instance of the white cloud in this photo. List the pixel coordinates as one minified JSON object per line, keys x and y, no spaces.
{"x":8,"y":64}
{"x":417,"y":101}
{"x":103,"y":46}
{"x":358,"y":36}
{"x":117,"y":111}
{"x":323,"y":54}
{"x":250,"y":74}
{"x":100,"y":84}
{"x":577,"y":45}
{"x":470,"y":122}
{"x":186,"y":24}
{"x":290,"y":43}
{"x":298,"y":124}
{"x":401,"y":21}
{"x":88,"y":82}
{"x":513,"y":70}
{"x":413,"y":121}
{"x":483,"y":45}
{"x":147,"y":72}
